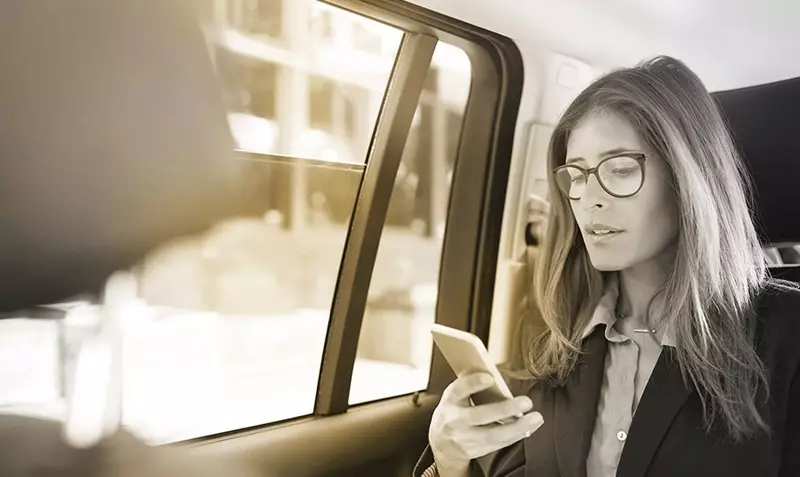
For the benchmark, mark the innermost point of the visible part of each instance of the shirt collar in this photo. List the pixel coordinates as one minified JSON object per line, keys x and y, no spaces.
{"x":604,"y":314}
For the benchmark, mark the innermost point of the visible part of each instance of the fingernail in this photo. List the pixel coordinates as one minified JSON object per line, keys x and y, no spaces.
{"x":525,"y":406}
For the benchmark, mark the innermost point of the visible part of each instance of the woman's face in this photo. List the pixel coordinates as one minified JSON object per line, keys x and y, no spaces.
{"x":621,"y":233}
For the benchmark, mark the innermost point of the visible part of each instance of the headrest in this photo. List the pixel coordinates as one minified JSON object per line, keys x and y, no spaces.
{"x":113,"y":139}
{"x":764,"y":120}
{"x":791,"y":273}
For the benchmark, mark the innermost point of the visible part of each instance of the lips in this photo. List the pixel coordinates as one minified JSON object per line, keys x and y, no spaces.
{"x":601,"y":232}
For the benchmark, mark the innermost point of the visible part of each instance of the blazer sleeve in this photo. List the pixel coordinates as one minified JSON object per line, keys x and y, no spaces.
{"x":509,"y":462}
{"x":426,"y":467}
{"x":424,"y":464}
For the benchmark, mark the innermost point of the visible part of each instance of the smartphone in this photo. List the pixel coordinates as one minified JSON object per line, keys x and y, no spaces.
{"x":466,"y":354}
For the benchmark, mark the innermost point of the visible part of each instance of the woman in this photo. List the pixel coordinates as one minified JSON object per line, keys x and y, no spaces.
{"x":661,"y":347}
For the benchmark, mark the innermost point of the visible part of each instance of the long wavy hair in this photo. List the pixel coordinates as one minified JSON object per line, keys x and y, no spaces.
{"x":719,"y":264}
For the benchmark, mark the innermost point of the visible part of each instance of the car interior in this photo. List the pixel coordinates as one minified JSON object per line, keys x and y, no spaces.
{"x":302,"y":187}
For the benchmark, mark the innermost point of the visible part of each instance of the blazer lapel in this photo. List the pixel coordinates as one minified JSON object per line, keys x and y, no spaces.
{"x":576,"y":406}
{"x":663,"y":397}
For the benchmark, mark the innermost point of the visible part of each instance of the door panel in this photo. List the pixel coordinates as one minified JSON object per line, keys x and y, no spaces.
{"x":382,"y":438}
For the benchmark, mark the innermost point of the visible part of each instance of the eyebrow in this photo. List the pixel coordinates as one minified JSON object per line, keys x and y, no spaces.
{"x":610,"y":152}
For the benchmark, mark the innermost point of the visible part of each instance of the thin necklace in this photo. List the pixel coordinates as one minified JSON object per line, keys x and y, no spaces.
{"x":622,"y":316}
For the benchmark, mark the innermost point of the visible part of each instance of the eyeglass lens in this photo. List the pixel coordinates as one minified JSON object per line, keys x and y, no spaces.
{"x":619,"y":176}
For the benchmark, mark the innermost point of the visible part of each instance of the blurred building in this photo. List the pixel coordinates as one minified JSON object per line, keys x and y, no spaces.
{"x":305,"y":79}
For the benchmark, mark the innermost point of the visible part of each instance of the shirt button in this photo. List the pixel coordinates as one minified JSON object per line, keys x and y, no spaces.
{"x":622,"y":435}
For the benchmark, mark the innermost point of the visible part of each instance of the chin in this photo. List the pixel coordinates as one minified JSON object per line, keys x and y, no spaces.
{"x":606,"y":267}
{"x":606,"y":262}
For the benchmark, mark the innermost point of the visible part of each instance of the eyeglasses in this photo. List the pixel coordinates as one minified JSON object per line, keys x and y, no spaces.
{"x":620,"y":176}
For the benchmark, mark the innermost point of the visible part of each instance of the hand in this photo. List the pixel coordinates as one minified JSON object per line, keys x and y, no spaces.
{"x":460,"y":432}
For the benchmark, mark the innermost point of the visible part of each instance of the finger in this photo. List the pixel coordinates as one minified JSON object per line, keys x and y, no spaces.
{"x":505,"y":435}
{"x":479,"y":441}
{"x":495,"y":412}
{"x":462,"y":388}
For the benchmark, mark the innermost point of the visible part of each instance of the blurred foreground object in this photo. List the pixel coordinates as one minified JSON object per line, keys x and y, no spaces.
{"x":114,"y":139}
{"x":95,"y":397}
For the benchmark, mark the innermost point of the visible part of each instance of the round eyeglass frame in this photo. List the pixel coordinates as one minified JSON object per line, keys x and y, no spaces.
{"x":637,"y":156}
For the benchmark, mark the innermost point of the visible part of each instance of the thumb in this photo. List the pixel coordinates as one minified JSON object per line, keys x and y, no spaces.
{"x":467,"y":385}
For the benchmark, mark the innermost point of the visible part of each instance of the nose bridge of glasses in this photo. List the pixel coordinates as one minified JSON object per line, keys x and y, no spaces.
{"x":592,"y":191}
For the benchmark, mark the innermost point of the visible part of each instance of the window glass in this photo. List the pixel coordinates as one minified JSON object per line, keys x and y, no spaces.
{"x":295,"y":97}
{"x":250,"y":86}
{"x":239,"y":316}
{"x":263,"y":18}
{"x":395,"y":345}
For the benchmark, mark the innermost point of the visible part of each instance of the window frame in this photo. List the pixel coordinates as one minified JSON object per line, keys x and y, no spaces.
{"x":477,"y":192}
{"x":476,"y":202}
{"x":386,"y":148}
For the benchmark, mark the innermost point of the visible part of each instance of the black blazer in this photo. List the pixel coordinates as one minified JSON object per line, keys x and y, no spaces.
{"x":666,"y":437}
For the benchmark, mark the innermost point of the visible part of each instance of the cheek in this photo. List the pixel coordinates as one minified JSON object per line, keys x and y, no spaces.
{"x":576,"y":211}
{"x":577,"y":216}
{"x":656,"y":221}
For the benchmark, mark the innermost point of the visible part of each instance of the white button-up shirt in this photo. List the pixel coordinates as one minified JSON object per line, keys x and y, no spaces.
{"x":630,"y":360}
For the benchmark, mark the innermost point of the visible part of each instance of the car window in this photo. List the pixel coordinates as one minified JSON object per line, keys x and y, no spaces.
{"x":237,"y":319}
{"x":395,"y":345}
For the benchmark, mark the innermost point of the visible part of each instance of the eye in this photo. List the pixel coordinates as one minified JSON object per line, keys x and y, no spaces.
{"x":624,"y":171}
{"x":576,"y":177}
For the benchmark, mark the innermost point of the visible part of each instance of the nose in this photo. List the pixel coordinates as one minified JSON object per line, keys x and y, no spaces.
{"x":594,"y":196}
